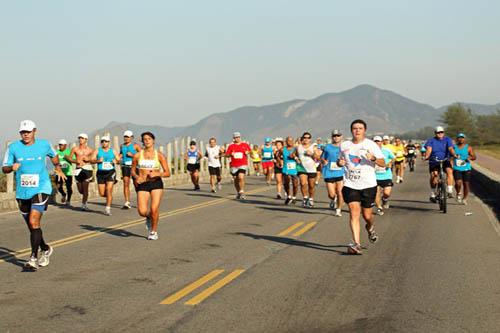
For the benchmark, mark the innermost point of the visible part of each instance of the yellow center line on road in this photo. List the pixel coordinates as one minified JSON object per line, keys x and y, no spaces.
{"x":306,"y":228}
{"x":191,"y":287}
{"x":290,"y":229}
{"x":90,"y":234}
{"x":216,"y":286}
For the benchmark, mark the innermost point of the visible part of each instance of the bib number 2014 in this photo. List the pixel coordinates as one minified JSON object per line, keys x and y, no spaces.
{"x":30,"y":180}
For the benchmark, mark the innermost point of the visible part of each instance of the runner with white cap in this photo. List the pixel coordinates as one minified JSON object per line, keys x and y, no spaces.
{"x":82,"y":156}
{"x":384,"y":178}
{"x":333,"y":174}
{"x":238,"y":152}
{"x":27,"y":158}
{"x":64,"y":152}
{"x":106,"y":174}
{"x":127,"y":151}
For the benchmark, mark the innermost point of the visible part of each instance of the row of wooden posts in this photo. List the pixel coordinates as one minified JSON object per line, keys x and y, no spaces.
{"x":174,"y":152}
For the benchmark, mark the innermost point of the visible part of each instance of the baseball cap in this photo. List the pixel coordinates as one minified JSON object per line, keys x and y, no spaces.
{"x":236,"y":135}
{"x":83,"y":135}
{"x":377,"y":138}
{"x":128,"y":133}
{"x":63,"y":142}
{"x":267,"y":140}
{"x":386,"y":137}
{"x":27,"y":125}
{"x":439,"y":129}
{"x":279,"y":139}
{"x":336,"y":132}
{"x":460,"y":135}
{"x":105,"y":138}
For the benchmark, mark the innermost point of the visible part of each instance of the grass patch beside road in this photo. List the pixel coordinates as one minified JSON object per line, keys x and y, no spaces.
{"x":490,"y":150}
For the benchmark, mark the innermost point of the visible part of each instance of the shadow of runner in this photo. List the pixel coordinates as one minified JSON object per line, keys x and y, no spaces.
{"x":8,"y":255}
{"x":295,"y":242}
{"x":111,"y":231}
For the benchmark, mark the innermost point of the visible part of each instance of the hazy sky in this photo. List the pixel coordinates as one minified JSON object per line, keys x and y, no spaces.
{"x":74,"y":66}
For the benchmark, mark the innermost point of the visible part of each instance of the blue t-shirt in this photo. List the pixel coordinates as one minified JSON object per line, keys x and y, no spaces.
{"x":32,"y":176}
{"x":384,"y":173}
{"x":127,"y":160}
{"x":289,"y":164}
{"x":439,"y":148}
{"x":331,"y":153}
{"x":107,"y":159}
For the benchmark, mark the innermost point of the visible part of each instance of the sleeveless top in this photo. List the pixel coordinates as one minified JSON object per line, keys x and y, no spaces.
{"x":308,"y":163}
{"x":192,"y":156}
{"x":127,"y":160}
{"x":108,"y":157}
{"x":461,"y":163}
{"x":153,"y":164}
{"x":267,"y":154}
{"x":289,"y":164}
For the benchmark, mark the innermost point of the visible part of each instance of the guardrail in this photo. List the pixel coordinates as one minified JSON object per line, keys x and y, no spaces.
{"x":174,"y":152}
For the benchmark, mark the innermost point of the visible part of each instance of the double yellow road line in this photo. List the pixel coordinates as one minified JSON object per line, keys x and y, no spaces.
{"x":288,"y":231}
{"x":199,"y":283}
{"x":91,"y":234}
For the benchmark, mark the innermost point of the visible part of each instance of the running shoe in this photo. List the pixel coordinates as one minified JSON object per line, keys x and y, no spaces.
{"x":354,"y":249}
{"x":219,"y":186}
{"x":304,"y":202}
{"x":31,"y":264}
{"x":294,"y":200}
{"x":63,"y":199}
{"x":153,"y":235}
{"x":126,"y":205}
{"x":278,"y":196}
{"x":464,"y":202}
{"x":372,"y":235}
{"x":338,"y":212}
{"x":242,"y":196}
{"x":385,"y":203}
{"x":432,"y":198}
{"x":213,"y":190}
{"x":332,"y":204}
{"x":45,"y":257}
{"x":310,"y":203}
{"x":238,"y":196}
{"x":380,"y":211}
{"x":85,"y":208}
{"x":107,"y":211}
{"x":287,"y":200}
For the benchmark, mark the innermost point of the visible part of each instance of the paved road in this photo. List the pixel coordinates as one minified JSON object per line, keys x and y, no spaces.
{"x":489,"y":162}
{"x":227,"y":266}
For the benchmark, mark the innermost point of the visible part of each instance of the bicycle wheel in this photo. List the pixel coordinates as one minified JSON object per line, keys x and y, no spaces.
{"x":444,"y":195}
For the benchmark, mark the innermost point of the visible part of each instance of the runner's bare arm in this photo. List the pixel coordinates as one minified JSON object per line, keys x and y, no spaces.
{"x":164,"y":165}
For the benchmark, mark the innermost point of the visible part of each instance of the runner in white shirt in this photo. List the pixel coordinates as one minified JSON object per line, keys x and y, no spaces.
{"x":307,"y":153}
{"x":359,"y":157}
{"x":213,"y":154}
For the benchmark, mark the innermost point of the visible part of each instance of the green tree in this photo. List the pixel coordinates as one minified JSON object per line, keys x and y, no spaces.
{"x":460,"y":119}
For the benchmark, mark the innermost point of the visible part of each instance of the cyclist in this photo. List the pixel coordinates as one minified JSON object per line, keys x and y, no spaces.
{"x":440,"y":147}
{"x":27,"y":158}
{"x":411,"y":154}
{"x":462,"y":167}
{"x":63,"y":152}
{"x":384,"y":178}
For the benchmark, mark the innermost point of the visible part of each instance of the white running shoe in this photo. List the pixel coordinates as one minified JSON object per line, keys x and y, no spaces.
{"x":219,"y":186}
{"x":338,"y":212}
{"x":153,"y":235}
{"x":85,"y":208}
{"x":45,"y":257}
{"x":107,"y":211}
{"x":127,"y":205}
{"x":32,"y":264}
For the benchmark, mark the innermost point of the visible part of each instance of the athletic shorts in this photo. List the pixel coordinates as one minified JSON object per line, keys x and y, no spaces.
{"x":365,"y":196}
{"x":214,"y":171}
{"x":156,"y":184}
{"x":126,"y":171}
{"x":278,"y":170}
{"x":105,"y":176}
{"x":319,"y":168}
{"x":84,"y":176}
{"x":398,"y":162}
{"x":39,"y":202}
{"x":267,"y":164}
{"x":385,"y":183}
{"x":291,"y":176}
{"x":237,"y":170}
{"x":309,"y":174}
{"x":462,"y":175}
{"x":334,"y":179}
{"x":193,"y":167}
{"x":435,"y":166}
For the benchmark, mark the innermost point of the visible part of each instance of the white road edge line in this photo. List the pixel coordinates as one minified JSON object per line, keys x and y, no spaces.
{"x":491,"y":217}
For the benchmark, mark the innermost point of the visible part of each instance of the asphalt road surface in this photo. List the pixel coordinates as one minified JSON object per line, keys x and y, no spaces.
{"x":256,"y":266}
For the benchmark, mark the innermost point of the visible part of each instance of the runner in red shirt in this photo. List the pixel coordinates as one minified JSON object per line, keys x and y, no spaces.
{"x":238,"y":151}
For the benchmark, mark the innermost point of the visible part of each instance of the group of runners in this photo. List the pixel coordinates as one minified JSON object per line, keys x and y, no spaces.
{"x":357,"y":172}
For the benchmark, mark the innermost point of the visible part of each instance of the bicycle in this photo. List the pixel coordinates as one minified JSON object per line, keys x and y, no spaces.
{"x":441,"y":193}
{"x":411,"y":163}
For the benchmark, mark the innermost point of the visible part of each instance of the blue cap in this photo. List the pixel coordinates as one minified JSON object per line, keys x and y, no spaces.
{"x":267,"y":140}
{"x":460,"y":135}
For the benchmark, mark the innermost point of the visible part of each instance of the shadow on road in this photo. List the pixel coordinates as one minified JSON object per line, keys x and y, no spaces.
{"x":295,"y":242}
{"x":114,"y":232}
{"x":208,"y":195}
{"x":8,"y":256}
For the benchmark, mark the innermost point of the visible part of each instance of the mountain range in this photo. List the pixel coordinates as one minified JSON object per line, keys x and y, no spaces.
{"x":384,"y":111}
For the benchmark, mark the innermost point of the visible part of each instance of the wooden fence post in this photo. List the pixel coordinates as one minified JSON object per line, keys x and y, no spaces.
{"x":176,"y":156}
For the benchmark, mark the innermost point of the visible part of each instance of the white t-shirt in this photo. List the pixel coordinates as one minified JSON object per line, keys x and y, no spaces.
{"x":213,"y":156}
{"x":307,"y":161}
{"x":359,"y":171}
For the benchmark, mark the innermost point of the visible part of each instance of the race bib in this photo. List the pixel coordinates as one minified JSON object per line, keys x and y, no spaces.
{"x":147,"y":164}
{"x":411,"y":151}
{"x":238,"y":156}
{"x":399,"y":154}
{"x":354,"y":174}
{"x":128,"y":162}
{"x":334,"y":166}
{"x":107,"y":165}
{"x":291,"y":165}
{"x":379,"y":169}
{"x":192,"y":160}
{"x":77,"y":172}
{"x":267,"y":154}
{"x":64,"y":164}
{"x":30,"y":180}
{"x":461,"y":163}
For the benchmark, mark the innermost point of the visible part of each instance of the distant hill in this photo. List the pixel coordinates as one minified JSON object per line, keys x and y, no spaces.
{"x":384,"y":111}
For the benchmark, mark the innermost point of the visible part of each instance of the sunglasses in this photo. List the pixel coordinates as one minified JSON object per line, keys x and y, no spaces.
{"x":377,"y":141}
{"x":306,"y":137}
{"x":336,"y":135}
{"x":440,"y":132}
{"x":104,"y":141}
{"x":25,"y":132}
